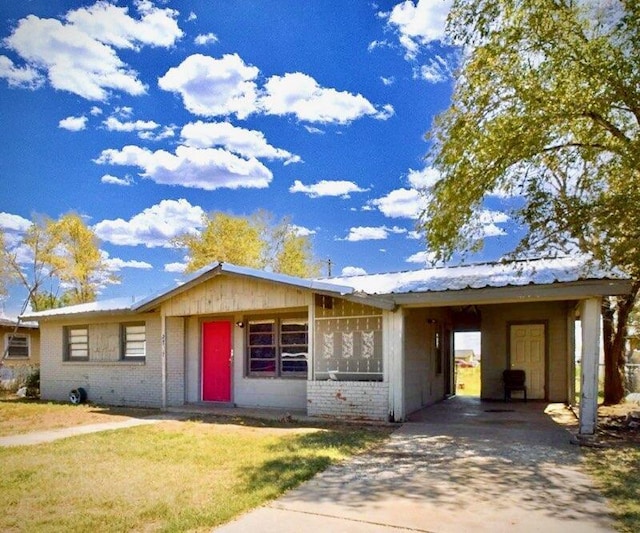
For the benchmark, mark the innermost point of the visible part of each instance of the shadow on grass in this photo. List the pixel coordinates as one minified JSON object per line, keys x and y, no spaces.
{"x":276,"y":476}
{"x":134,"y":412}
{"x":309,"y":454}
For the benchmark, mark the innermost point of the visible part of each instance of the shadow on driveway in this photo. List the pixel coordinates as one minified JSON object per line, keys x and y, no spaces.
{"x":461,"y":465}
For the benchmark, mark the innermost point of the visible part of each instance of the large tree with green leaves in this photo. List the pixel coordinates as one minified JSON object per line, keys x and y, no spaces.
{"x":546,"y":108}
{"x":256,"y":241}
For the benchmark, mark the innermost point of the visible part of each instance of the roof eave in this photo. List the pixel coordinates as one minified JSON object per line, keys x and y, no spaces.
{"x":578,"y":290}
{"x":82,"y":314}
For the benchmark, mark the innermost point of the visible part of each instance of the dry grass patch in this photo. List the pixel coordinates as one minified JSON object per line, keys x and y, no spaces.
{"x":173,"y":476}
{"x":19,"y":416}
{"x":616,"y":472}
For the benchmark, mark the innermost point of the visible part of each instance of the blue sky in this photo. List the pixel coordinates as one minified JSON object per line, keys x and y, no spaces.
{"x":142,"y":116}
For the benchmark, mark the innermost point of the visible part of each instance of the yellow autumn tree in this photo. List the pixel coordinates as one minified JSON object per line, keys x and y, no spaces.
{"x":255,"y":241}
{"x":77,"y":259}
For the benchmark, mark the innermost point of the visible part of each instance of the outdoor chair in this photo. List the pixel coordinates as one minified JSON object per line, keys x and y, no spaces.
{"x":514,"y":380}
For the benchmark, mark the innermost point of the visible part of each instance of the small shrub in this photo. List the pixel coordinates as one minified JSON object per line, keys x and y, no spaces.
{"x":32,"y":383}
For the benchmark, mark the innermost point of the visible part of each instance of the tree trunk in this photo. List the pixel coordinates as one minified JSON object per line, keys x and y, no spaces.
{"x":614,"y":334}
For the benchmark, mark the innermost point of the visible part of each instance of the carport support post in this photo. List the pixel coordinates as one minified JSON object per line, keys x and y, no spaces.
{"x":590,"y":320}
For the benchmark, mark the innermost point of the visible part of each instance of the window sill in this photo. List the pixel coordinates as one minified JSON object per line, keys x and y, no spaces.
{"x":105,"y":363}
{"x":286,"y":378}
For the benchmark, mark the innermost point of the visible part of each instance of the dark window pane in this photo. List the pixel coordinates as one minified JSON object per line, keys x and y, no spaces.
{"x":262,"y":352}
{"x":263,"y":366}
{"x":294,"y":338}
{"x":295,"y":365}
{"x":260,"y":327}
{"x":261,"y":339}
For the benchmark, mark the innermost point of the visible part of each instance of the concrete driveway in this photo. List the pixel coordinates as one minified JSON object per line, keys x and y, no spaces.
{"x":462,"y":465}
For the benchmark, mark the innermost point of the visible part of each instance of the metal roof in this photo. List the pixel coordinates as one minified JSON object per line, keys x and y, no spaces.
{"x":378,"y":290}
{"x":12,"y":322}
{"x":114,"y":305}
{"x":483,"y":275}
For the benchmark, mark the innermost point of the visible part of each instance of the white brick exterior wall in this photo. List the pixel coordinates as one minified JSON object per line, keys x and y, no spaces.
{"x":109,"y":380}
{"x":175,"y":360}
{"x":355,"y":400}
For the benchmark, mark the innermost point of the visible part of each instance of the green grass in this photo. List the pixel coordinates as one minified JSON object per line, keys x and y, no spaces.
{"x":173,"y":476}
{"x":468,"y":381}
{"x":19,"y":415}
{"x":616,"y":472}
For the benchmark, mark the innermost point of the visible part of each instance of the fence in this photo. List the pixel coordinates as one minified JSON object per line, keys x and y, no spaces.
{"x":631,"y":374}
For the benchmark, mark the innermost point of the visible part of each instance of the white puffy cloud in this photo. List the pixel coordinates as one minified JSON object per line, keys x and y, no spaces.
{"x":14,"y":223}
{"x":438,"y":69}
{"x":153,"y":227}
{"x":167,"y":132}
{"x":400,"y":203}
{"x":353,"y":271}
{"x":175,"y":267}
{"x":419,"y":24}
{"x":95,"y":111}
{"x":214,"y":87}
{"x":115,"y":264}
{"x":112,"y":25}
{"x":73,"y":123}
{"x":369,"y":233}
{"x":485,"y":224}
{"x":114,"y":124}
{"x":78,"y":54}
{"x":300,"y":95}
{"x":200,"y":168}
{"x":114,"y":180}
{"x":204,"y":39}
{"x":387,"y":81}
{"x":301,"y":231}
{"x":247,"y":143}
{"x":24,"y":77}
{"x":423,"y":258}
{"x":423,"y":179}
{"x":340,"y":188}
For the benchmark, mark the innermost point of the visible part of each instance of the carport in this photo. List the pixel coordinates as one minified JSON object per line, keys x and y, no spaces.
{"x":526,"y":312}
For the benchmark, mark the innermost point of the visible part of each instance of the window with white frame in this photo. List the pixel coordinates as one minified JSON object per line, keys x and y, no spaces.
{"x":134,"y":341}
{"x":278,"y":347}
{"x":77,"y":343}
{"x":17,"y":345}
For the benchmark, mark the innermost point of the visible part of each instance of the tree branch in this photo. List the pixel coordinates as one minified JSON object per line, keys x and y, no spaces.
{"x":611,"y":128}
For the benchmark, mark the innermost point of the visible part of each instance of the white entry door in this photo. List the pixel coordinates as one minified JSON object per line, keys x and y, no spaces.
{"x":528,"y":354}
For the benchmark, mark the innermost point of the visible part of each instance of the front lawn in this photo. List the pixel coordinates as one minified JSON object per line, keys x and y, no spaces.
{"x":24,"y":415}
{"x":172,"y":476}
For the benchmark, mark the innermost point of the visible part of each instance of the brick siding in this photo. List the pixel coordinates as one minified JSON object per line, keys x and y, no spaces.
{"x":354,"y":400}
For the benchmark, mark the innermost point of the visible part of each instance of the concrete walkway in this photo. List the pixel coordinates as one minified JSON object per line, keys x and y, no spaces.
{"x":39,"y":437}
{"x":462,"y":465}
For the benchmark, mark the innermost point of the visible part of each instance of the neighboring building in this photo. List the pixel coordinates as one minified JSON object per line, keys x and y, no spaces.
{"x":465,"y":357}
{"x":20,"y":350}
{"x":374,"y":347}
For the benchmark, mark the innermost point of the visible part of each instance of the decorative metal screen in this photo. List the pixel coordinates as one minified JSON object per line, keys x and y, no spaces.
{"x":348,"y":340}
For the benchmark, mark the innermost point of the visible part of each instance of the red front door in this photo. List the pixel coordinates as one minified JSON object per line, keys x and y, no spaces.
{"x":216,"y":361}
